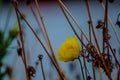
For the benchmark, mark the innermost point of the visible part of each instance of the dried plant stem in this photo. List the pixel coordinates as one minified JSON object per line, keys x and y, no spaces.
{"x":105,"y":28}
{"x":112,"y":25}
{"x":84,"y":60}
{"x":90,"y":36}
{"x":22,"y":41}
{"x":47,"y":38}
{"x":93,"y":69}
{"x":106,"y":32}
{"x":37,"y":20}
{"x":42,"y":70}
{"x":92,"y":26}
{"x":41,"y":64}
{"x":81,"y":68}
{"x":113,"y":54}
{"x":100,"y":71}
{"x":118,"y":75}
{"x":79,"y":27}
{"x":72,"y":26}
{"x":95,"y":39}
{"x":46,"y":33}
{"x":59,"y":72}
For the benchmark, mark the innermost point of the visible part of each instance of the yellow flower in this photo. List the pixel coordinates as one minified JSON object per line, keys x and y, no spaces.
{"x":69,"y":50}
{"x":14,"y":32}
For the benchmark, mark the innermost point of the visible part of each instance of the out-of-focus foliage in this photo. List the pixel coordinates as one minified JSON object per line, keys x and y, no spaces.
{"x":6,"y":41}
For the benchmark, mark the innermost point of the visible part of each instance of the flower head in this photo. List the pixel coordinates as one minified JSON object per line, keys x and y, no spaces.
{"x":14,"y":31}
{"x":69,"y":50}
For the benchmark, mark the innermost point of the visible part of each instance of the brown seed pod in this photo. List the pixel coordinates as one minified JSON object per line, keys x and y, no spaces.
{"x":19,"y":51}
{"x":40,"y":57}
{"x":118,"y":21}
{"x":100,"y":24}
{"x":31,"y":71}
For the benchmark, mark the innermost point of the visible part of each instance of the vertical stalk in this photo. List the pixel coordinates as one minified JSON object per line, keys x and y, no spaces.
{"x":106,"y":32}
{"x":90,"y":36}
{"x":106,"y":26}
{"x":113,"y":53}
{"x":84,"y":60}
{"x":47,"y":38}
{"x":41,"y":64}
{"x":93,"y":69}
{"x":43,"y":46}
{"x":90,"y":31}
{"x":92,"y":26}
{"x":100,"y":72}
{"x":95,"y":39}
{"x":112,"y":25}
{"x":81,"y":68}
{"x":118,"y":75}
{"x":46,"y":33}
{"x":22,"y":41}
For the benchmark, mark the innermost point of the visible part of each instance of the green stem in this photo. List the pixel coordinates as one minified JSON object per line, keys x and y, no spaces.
{"x":81,"y":68}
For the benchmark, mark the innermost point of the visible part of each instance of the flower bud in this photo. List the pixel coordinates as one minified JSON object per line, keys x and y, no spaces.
{"x":14,"y":31}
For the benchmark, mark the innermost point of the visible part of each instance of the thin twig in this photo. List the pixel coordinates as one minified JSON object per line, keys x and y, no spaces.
{"x":22,"y":41}
{"x":108,"y":43}
{"x":37,"y":20}
{"x":41,"y":64}
{"x":90,"y":36}
{"x":72,"y":25}
{"x":42,"y":45}
{"x":48,"y":40}
{"x":84,"y":60}
{"x":100,"y":72}
{"x":46,"y":33}
{"x":92,"y":26}
{"x":95,"y":39}
{"x":79,"y":27}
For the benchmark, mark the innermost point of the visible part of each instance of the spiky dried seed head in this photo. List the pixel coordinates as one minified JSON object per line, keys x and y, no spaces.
{"x":40,"y":57}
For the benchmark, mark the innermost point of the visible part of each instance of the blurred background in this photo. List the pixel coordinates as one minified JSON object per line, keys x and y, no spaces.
{"x":58,"y":30}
